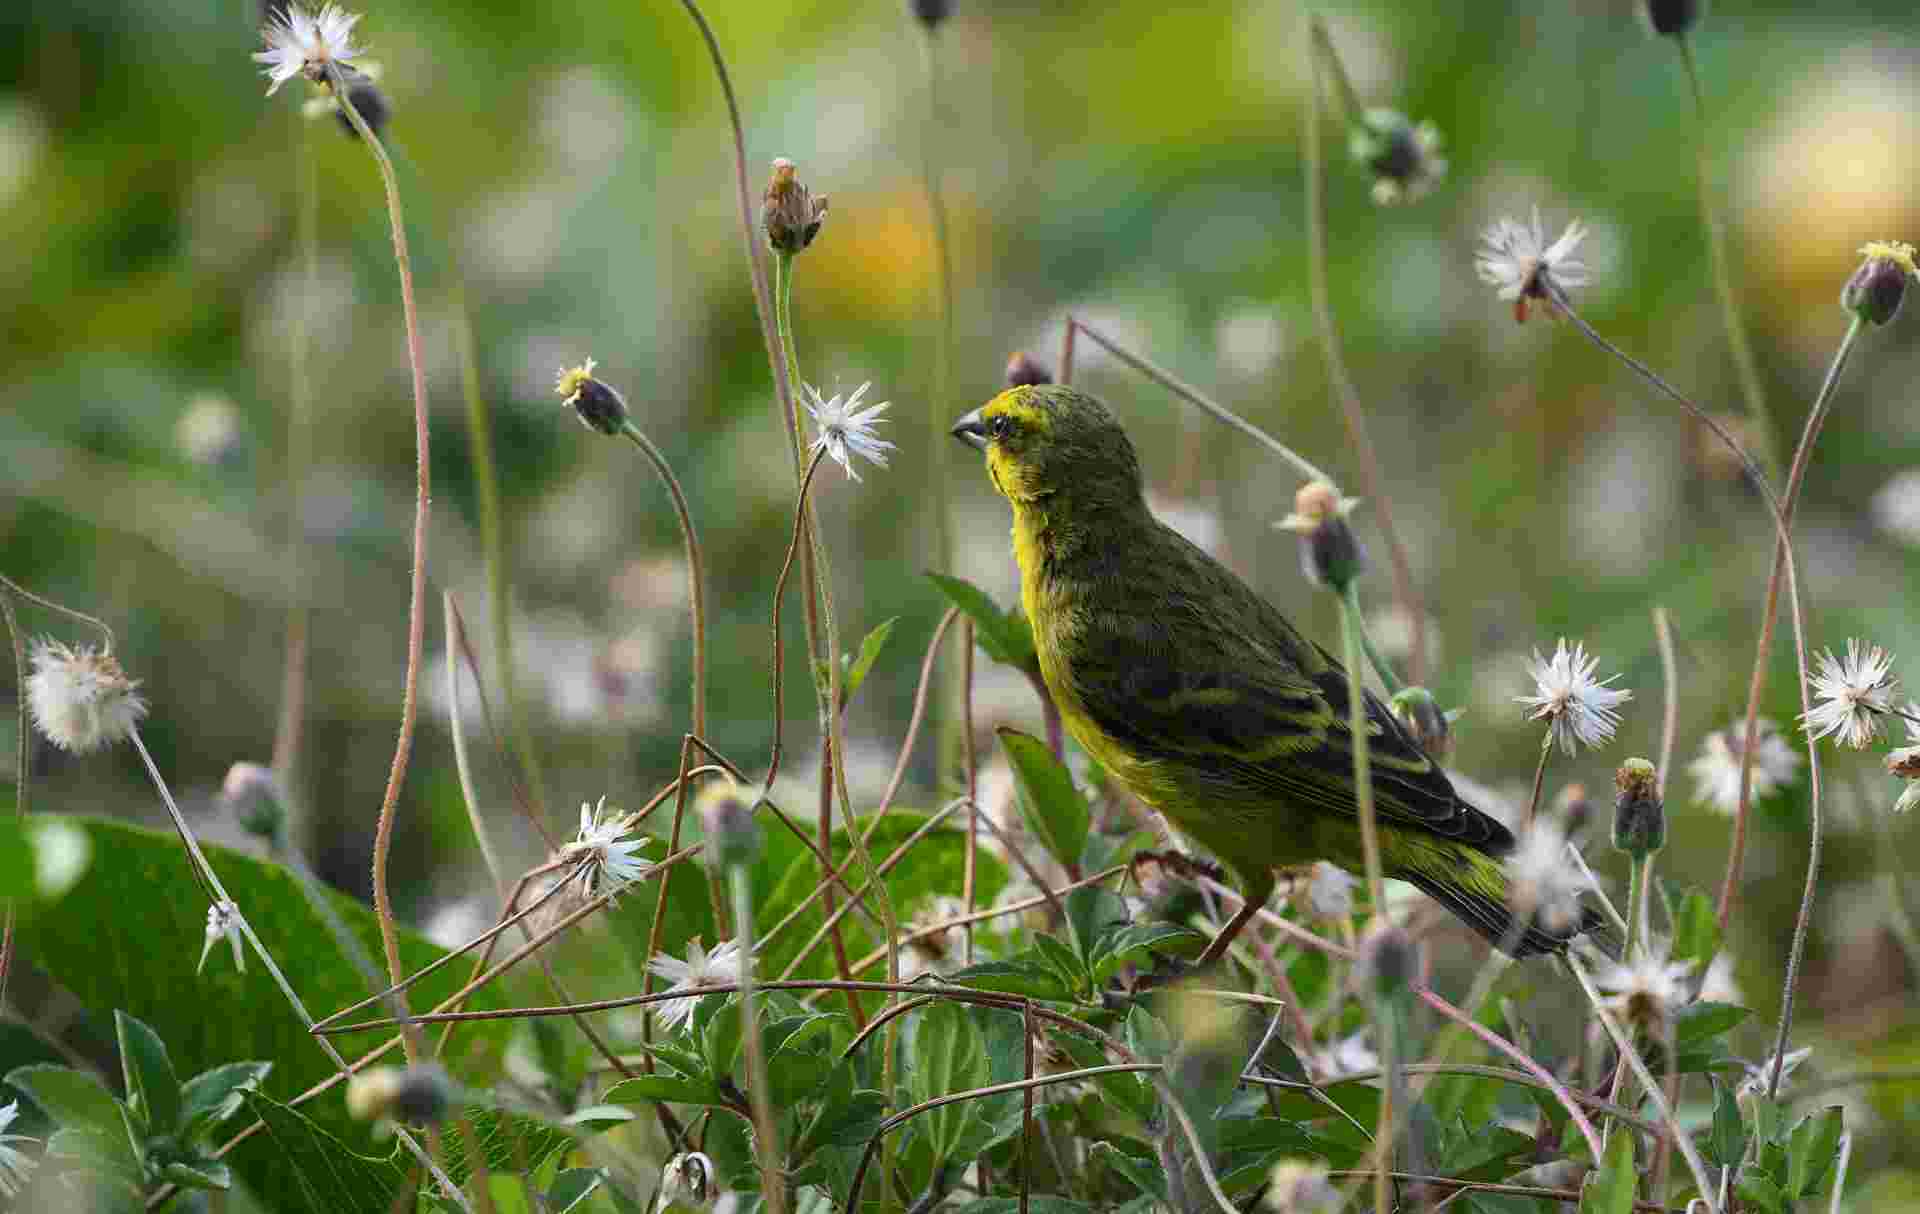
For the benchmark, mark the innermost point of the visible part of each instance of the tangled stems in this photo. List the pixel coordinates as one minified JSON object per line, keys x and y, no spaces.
{"x":416,"y":607}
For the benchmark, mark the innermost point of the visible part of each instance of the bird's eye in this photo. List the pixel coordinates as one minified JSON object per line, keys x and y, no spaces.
{"x":1000,"y":426}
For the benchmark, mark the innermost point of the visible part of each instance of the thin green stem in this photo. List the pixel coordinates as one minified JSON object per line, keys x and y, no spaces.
{"x":423,"y":500}
{"x":1329,"y":58}
{"x":1381,"y":666}
{"x":486,"y":477}
{"x":766,"y":1129}
{"x":1639,"y":874}
{"x":1372,"y":483}
{"x":1710,"y":218}
{"x":1757,"y":682}
{"x":1362,"y":768}
{"x":696,"y":575}
{"x":23,"y":754}
{"x":293,"y":675}
{"x":1670,"y":694}
{"x":937,"y":410}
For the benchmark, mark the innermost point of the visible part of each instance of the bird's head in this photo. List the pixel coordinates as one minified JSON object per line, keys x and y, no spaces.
{"x":1052,"y":441}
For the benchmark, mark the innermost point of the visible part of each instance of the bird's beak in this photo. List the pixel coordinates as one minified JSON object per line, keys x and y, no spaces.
{"x":971,"y":430}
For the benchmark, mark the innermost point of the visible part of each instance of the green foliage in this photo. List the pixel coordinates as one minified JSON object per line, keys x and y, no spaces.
{"x":1055,"y":809}
{"x":1610,"y":1189}
{"x":1005,"y":636}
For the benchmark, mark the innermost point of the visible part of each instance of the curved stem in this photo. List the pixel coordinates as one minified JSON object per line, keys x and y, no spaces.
{"x":1539,"y":781}
{"x":1670,"y":709}
{"x":1372,"y":484}
{"x":422,"y":504}
{"x":696,"y":575}
{"x":1381,"y":666}
{"x":1716,"y":227}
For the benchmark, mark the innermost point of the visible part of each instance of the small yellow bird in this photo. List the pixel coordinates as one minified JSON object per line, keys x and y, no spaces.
{"x":1200,"y":697}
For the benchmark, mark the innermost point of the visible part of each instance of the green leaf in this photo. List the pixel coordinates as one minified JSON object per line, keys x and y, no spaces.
{"x":315,"y":1172}
{"x":949,"y":1056}
{"x":509,"y":1142}
{"x":1144,"y":1174}
{"x":674,"y":1089}
{"x":1699,"y":1022}
{"x":1491,"y":1153}
{"x":1136,"y":941}
{"x":1063,"y":962}
{"x":200,"y":1174}
{"x":722,"y":1040}
{"x":76,"y":1101}
{"x":598,"y":1118}
{"x":1610,"y":1189}
{"x":573,"y":1186}
{"x":105,"y":1151}
{"x":1055,"y":810}
{"x":1006,"y":636}
{"x":1147,"y":1037}
{"x":41,"y":858}
{"x":1811,"y":1148}
{"x":1023,"y":975}
{"x":153,"y":1093}
{"x":1727,"y":1144}
{"x":1036,"y":1204}
{"x":1696,"y":930}
{"x":860,"y":666}
{"x":1759,"y":1191}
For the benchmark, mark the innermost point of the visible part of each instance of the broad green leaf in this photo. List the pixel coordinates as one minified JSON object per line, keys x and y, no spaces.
{"x":723,"y":1039}
{"x":1024,"y":975}
{"x":1727,"y":1144}
{"x":1491,"y":1153}
{"x":201,"y":1174}
{"x":1006,"y":636}
{"x":1145,"y":1174}
{"x":316,"y":1173}
{"x":1063,"y":962}
{"x":76,"y":1100}
{"x":509,"y":1142}
{"x":1055,"y":809}
{"x":1610,"y":1189}
{"x":572,"y":1187}
{"x":1810,"y":1150}
{"x":599,"y":1118}
{"x":1147,"y":1037}
{"x":948,"y":1056}
{"x":859,"y":666}
{"x":1696,"y":930}
{"x":1697,"y":1022}
{"x":143,"y":964}
{"x":1758,"y":1191}
{"x":211,"y":1097}
{"x":674,"y":1089}
{"x":153,"y":1093}
{"x":107,"y":1151}
{"x":1136,"y":941}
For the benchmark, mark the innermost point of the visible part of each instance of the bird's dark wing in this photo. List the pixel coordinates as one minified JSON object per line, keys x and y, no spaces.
{"x":1195,"y":671}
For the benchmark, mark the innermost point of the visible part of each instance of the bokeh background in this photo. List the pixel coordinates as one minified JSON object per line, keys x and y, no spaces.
{"x":1133,"y":163}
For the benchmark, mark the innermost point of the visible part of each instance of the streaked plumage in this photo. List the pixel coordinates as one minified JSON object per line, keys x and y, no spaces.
{"x":1197,"y":694}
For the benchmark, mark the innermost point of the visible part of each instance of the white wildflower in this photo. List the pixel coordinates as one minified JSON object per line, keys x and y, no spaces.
{"x":1544,"y":884}
{"x":1579,"y":710}
{"x":80,"y":698}
{"x":1905,"y":761}
{"x":1716,"y":772}
{"x":701,"y":969}
{"x":223,"y":923}
{"x":300,"y":42}
{"x":688,"y":1181}
{"x":846,"y":431}
{"x":1852,"y":694}
{"x":14,"y":1166}
{"x":1718,"y":985}
{"x":1646,"y":990}
{"x":1300,"y":1186}
{"x":1760,"y":1078}
{"x":606,"y":857}
{"x":1330,"y":893}
{"x":1516,"y":258}
{"x":1347,"y":1056}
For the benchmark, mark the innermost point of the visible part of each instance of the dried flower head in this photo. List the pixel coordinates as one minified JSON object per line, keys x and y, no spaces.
{"x":1404,"y":159}
{"x":1389,"y":964}
{"x":1877,"y":287}
{"x":1516,"y":258}
{"x":1330,"y":893}
{"x":1543,"y":882}
{"x":1300,"y":1186}
{"x":251,"y":793}
{"x":846,"y":430}
{"x":688,"y":1180}
{"x":1904,"y":762}
{"x":1853,"y":693}
{"x":1579,"y":710}
{"x":701,"y":969}
{"x":1645,"y":990}
{"x":15,"y":1166}
{"x":1425,"y":720}
{"x":302,"y":43}
{"x":789,"y":211}
{"x":1024,"y":372}
{"x":80,"y":698}
{"x":606,"y":857}
{"x":1716,"y":772}
{"x":931,"y":12}
{"x":223,"y":923}
{"x":726,"y":819}
{"x":1330,"y":553}
{"x":1671,"y":17}
{"x":597,"y":404}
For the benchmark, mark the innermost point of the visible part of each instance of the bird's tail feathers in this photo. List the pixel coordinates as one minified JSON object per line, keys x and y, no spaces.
{"x":1488,"y":912}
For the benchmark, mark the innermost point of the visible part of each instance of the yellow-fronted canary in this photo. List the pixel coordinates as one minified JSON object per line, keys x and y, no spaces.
{"x":1200,"y":697}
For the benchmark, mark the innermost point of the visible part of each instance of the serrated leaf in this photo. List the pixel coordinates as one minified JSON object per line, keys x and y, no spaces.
{"x":316,"y":1173}
{"x":1611,"y":1188}
{"x":859,"y":666}
{"x":153,"y":1091}
{"x":1005,"y":636}
{"x":674,"y":1089}
{"x":1023,"y":975}
{"x":572,"y":1187}
{"x":211,"y":1097}
{"x":1727,"y":1143}
{"x":1811,"y":1148}
{"x":1055,"y":810}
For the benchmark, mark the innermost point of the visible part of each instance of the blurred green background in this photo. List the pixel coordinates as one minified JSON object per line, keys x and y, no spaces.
{"x":1133,"y":163}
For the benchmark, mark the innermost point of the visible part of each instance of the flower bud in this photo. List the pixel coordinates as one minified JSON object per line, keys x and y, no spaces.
{"x":1023,"y":372}
{"x":1330,"y":554}
{"x":1573,"y":809}
{"x":1674,"y":17}
{"x":368,"y":101}
{"x":251,"y":794}
{"x":596,"y":403}
{"x":1404,"y":159}
{"x":418,"y":1095}
{"x":1389,"y":964}
{"x":931,"y":12}
{"x":1639,"y":817}
{"x":1878,"y":286}
{"x":789,"y":212}
{"x":726,"y":818}
{"x":1421,"y":714}
{"x":688,"y":1181}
